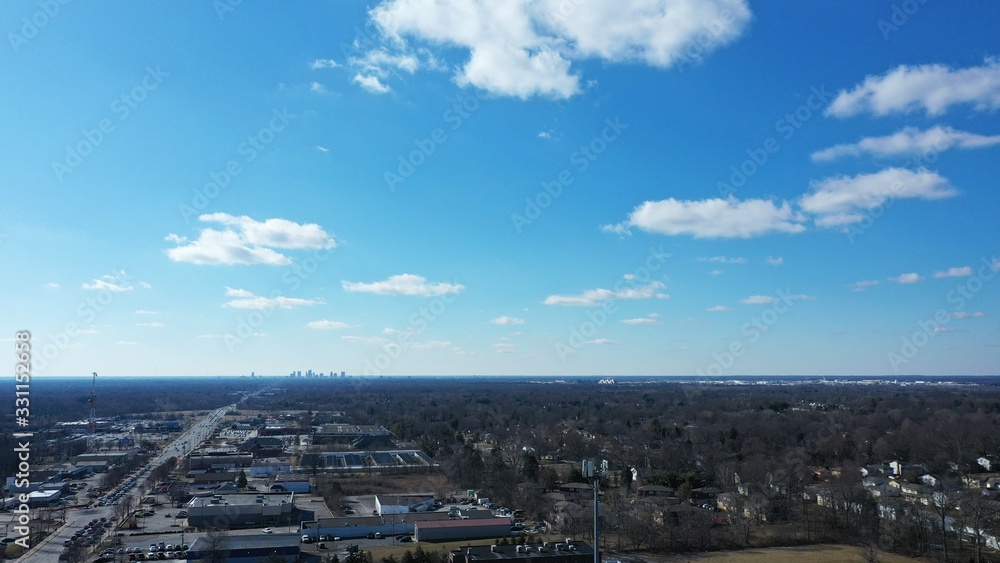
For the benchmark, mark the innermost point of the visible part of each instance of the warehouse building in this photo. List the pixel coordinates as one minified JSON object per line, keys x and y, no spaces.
{"x":451,"y":530}
{"x":244,"y":510}
{"x":248,"y":549}
{"x":564,"y":552}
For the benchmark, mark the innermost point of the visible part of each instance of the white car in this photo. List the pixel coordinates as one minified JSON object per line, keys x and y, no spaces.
{"x":267,"y":530}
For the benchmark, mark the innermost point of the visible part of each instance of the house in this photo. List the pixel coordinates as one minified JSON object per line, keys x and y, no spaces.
{"x":655,"y":491}
{"x":728,"y":502}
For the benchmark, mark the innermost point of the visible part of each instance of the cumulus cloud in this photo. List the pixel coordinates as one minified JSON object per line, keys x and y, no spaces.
{"x":318,"y":64}
{"x":327,"y":325}
{"x":244,"y":299}
{"x":909,"y":278}
{"x":505,"y":320}
{"x":594,"y":297}
{"x":247,"y":241}
{"x":527,"y":48}
{"x":771,"y":261}
{"x":712,"y":218}
{"x":839,"y":200}
{"x":115,"y":283}
{"x":718,"y":309}
{"x":602,"y":341}
{"x":932,"y":88}
{"x":371,"y":83}
{"x":404,"y":284}
{"x":909,"y":142}
{"x":962,"y":272}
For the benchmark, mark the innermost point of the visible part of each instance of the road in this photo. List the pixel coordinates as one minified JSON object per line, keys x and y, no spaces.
{"x":76,"y":518}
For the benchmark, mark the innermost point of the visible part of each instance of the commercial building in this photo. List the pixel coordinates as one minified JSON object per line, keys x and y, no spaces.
{"x":401,"y":504}
{"x":218,"y":460}
{"x":247,"y":549}
{"x":563,"y":552}
{"x":452,"y":530}
{"x":244,"y":510}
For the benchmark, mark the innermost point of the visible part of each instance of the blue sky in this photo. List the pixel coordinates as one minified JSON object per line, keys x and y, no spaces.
{"x":537,"y":187}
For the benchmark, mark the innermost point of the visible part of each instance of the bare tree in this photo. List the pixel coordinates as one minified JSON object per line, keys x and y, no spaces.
{"x":217,"y":546}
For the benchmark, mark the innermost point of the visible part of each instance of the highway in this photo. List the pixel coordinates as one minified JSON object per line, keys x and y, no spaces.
{"x":76,"y":518}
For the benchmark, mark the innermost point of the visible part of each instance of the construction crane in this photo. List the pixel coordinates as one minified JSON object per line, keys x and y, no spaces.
{"x":92,"y":421}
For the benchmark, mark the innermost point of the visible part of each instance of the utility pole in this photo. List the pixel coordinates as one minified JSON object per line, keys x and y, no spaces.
{"x":595,"y":473}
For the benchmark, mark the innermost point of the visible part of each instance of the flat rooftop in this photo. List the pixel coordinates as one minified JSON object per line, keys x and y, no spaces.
{"x":242,"y":499}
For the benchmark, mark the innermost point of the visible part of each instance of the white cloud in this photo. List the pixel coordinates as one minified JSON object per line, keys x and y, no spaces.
{"x":962,"y":272}
{"x":371,"y":83}
{"x":527,"y":48}
{"x":838,"y":200}
{"x":317,"y":87}
{"x":322,"y":149}
{"x":594,"y":297}
{"x":723,"y":260}
{"x":52,"y":285}
{"x":716,"y":273}
{"x":328,"y":325}
{"x":247,"y":300}
{"x":247,"y":241}
{"x":909,"y":278}
{"x":602,"y":341}
{"x":862,"y":285}
{"x":505,"y":320}
{"x":966,"y":315}
{"x":323,"y":63}
{"x":151,"y":324}
{"x":365,"y":339}
{"x":431,"y":345}
{"x":145,"y":312}
{"x":404,"y":284}
{"x":771,"y":261}
{"x":380,"y":62}
{"x":504,"y":348}
{"x":116,"y":283}
{"x":712,"y":218}
{"x":768,"y":299}
{"x":931,"y":88}
{"x":646,"y":321}
{"x":718,"y":309}
{"x":909,"y":142}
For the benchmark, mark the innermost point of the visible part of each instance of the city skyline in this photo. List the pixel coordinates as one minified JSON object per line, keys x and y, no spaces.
{"x":681,"y":187}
